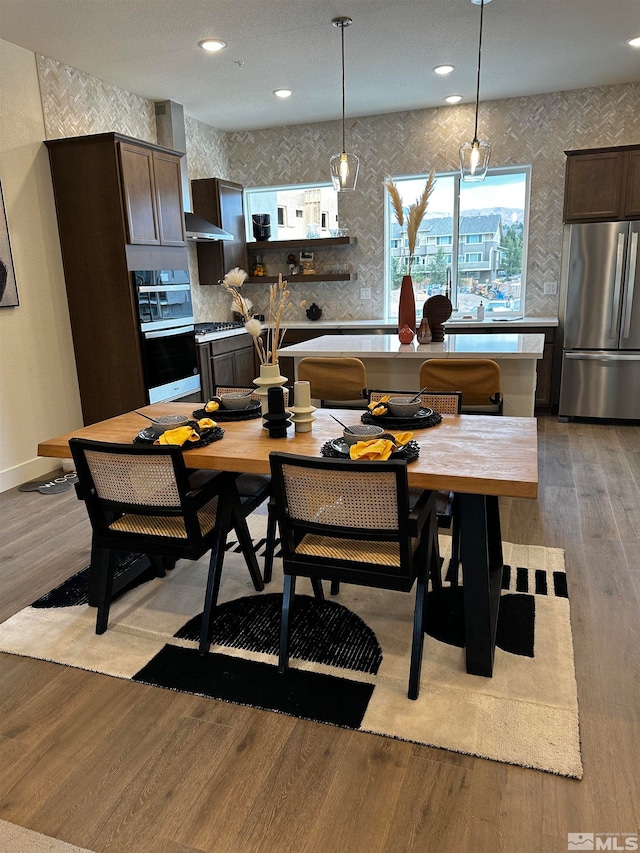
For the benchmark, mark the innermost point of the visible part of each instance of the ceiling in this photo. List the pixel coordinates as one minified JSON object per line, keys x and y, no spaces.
{"x":150,"y":47}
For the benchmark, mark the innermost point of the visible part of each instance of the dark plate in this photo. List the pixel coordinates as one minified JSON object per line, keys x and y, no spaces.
{"x":251,"y":411}
{"x":339,"y":447}
{"x":423,"y":418}
{"x":207,"y":436}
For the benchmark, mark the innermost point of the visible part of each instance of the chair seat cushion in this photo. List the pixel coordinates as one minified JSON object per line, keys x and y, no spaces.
{"x":355,"y":550}
{"x":166,"y":525}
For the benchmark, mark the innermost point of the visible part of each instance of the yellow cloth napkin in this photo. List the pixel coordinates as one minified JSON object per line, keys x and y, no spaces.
{"x":212,"y":406}
{"x":179,"y":436}
{"x":401,"y":438}
{"x":379,"y":449}
{"x":378,"y":407}
{"x":206,"y":423}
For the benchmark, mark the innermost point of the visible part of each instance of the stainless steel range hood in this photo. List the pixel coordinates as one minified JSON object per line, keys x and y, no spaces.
{"x":171,"y":134}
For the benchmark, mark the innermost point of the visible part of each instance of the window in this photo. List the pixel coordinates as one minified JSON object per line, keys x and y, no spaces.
{"x":492,"y":216}
{"x":299,"y":210}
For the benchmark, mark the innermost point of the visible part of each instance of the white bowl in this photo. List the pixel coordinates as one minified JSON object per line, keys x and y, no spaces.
{"x":363,"y":432}
{"x":235,"y":400}
{"x":400,"y":407}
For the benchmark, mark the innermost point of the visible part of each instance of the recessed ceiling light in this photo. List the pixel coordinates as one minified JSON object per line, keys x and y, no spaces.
{"x":212,"y":44}
{"x":283,"y":93}
{"x":634,"y":42}
{"x":444,"y":69}
{"x":453,"y":99}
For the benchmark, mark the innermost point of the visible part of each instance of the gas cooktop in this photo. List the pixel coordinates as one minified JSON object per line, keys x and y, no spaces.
{"x":218,"y":326}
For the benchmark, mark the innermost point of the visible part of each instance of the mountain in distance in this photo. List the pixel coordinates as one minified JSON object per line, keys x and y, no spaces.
{"x":508,"y":215}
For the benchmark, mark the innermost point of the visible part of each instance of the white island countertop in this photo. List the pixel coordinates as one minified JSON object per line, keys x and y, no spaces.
{"x":499,"y":346}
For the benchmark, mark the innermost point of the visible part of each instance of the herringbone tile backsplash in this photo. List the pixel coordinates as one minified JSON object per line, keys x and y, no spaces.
{"x":534,"y":130}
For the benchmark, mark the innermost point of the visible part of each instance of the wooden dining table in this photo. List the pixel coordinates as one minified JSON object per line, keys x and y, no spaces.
{"x":481,"y":458}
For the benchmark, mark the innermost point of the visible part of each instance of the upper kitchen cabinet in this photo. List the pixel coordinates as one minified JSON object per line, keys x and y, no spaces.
{"x":602,"y":184}
{"x":152,"y":195}
{"x":220,"y":202}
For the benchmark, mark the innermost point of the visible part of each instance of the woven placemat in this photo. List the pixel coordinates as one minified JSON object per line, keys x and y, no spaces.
{"x":392,"y":422}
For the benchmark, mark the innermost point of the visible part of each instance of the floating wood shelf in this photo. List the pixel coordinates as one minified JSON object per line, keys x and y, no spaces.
{"x":320,"y":242}
{"x":333,"y":276}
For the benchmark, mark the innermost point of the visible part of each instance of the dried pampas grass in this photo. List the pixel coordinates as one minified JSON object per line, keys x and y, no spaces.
{"x":416,"y":213}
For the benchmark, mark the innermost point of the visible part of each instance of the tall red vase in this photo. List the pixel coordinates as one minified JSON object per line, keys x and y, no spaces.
{"x":407,"y":305}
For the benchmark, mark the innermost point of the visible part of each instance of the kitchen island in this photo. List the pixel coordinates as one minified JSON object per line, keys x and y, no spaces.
{"x":392,"y":365}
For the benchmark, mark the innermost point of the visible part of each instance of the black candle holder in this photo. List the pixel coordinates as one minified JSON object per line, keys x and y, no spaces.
{"x":277,"y":418}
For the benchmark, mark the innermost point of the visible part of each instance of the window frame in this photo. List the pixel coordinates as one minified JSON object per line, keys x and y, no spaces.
{"x":524,"y":169}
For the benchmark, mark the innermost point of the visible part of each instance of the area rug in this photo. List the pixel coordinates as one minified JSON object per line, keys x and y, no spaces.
{"x":350,"y":654}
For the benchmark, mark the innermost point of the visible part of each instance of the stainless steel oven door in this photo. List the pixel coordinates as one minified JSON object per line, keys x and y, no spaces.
{"x":164,"y":305}
{"x":170,"y":363}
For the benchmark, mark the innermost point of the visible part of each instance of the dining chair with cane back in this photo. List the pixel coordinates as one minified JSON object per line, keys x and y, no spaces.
{"x":477,"y":378}
{"x":339,"y":380}
{"x":444,"y":402}
{"x":353,"y":522}
{"x":141,"y":500}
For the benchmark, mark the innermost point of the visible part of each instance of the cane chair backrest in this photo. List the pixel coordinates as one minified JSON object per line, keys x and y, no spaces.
{"x":446,"y":403}
{"x":224,"y":389}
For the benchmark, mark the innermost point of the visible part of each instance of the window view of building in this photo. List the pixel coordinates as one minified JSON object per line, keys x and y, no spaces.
{"x":488,"y":225}
{"x":296,"y":212}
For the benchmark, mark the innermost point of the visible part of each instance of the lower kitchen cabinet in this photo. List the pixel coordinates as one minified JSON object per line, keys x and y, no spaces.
{"x":229,"y":361}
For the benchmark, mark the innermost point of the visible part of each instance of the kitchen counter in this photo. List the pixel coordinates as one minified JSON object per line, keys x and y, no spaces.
{"x":391,"y":365}
{"x":390,"y":327}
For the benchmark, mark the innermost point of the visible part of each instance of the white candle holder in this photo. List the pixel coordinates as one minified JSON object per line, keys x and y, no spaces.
{"x":302,"y":412}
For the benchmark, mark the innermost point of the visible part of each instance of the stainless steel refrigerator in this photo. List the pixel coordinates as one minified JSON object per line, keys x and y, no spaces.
{"x":600,"y":317}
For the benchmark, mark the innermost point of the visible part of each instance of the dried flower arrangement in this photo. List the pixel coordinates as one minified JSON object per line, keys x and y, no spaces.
{"x":279,"y":303}
{"x":415,"y":214}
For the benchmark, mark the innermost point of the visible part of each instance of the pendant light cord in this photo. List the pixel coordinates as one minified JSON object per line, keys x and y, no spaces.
{"x":475,"y":132}
{"x":342,"y":35}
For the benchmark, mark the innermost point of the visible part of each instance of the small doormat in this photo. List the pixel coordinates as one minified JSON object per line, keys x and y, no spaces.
{"x":349,"y":655}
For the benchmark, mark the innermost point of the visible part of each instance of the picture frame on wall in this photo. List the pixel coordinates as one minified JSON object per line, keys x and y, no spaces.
{"x":8,"y":289}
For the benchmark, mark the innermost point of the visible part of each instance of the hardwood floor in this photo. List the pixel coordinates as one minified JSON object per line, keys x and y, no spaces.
{"x":120,"y":767}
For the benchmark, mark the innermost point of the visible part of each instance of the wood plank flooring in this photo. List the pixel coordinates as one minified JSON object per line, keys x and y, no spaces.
{"x":123,"y":768}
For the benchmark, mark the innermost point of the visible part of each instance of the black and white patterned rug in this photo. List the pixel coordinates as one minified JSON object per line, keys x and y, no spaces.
{"x":349,"y":655}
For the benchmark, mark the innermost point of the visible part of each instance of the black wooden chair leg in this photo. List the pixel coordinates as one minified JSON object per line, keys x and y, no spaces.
{"x":158,"y":564}
{"x":288,"y":594}
{"x":454,"y":562}
{"x":335,"y":587}
{"x":418,"y":636}
{"x":246,"y":544}
{"x":318,"y":591}
{"x":270,"y":546}
{"x":104,"y":569}
{"x":215,"y":573}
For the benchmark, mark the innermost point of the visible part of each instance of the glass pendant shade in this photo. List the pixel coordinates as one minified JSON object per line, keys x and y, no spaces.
{"x":474,"y":160}
{"x":344,"y":171}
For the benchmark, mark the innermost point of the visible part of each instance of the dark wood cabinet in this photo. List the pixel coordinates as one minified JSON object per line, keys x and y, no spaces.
{"x":105,"y":192}
{"x":152,"y":195}
{"x":602,"y":184}
{"x":227,"y":361}
{"x":220,"y":202}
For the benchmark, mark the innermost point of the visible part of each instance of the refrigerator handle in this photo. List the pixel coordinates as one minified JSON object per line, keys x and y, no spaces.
{"x":615,"y":305}
{"x":631,"y":283}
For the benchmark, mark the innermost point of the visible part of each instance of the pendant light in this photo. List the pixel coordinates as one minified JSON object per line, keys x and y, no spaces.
{"x":344,"y":167}
{"x":474,"y":156}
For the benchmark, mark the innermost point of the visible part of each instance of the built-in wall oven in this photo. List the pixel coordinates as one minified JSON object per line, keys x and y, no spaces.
{"x":165,"y":315}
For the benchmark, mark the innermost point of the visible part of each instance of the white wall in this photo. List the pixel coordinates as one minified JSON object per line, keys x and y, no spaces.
{"x":38,"y":385}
